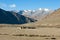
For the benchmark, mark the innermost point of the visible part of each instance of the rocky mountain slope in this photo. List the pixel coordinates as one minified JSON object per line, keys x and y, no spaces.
{"x":9,"y":17}
{"x":52,"y":19}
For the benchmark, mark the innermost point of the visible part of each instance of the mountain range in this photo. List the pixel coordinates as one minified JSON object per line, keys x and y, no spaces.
{"x":42,"y":16}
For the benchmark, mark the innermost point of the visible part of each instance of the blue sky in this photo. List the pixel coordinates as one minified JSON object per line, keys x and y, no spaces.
{"x":29,"y":4}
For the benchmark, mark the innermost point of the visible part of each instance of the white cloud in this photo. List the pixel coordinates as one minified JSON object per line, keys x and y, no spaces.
{"x":12,"y":5}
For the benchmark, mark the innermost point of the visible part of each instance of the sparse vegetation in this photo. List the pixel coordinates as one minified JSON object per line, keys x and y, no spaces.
{"x":53,"y":38}
{"x":3,"y":34}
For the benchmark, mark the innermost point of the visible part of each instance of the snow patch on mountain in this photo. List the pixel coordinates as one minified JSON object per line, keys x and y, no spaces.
{"x":36,"y":14}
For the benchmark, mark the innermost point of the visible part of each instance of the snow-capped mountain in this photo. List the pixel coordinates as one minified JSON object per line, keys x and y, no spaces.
{"x":36,"y":14}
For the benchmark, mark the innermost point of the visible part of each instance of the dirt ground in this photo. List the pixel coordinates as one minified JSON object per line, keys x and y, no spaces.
{"x":14,"y":33}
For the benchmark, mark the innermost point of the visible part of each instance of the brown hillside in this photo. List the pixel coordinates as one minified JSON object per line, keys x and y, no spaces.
{"x":52,"y":19}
